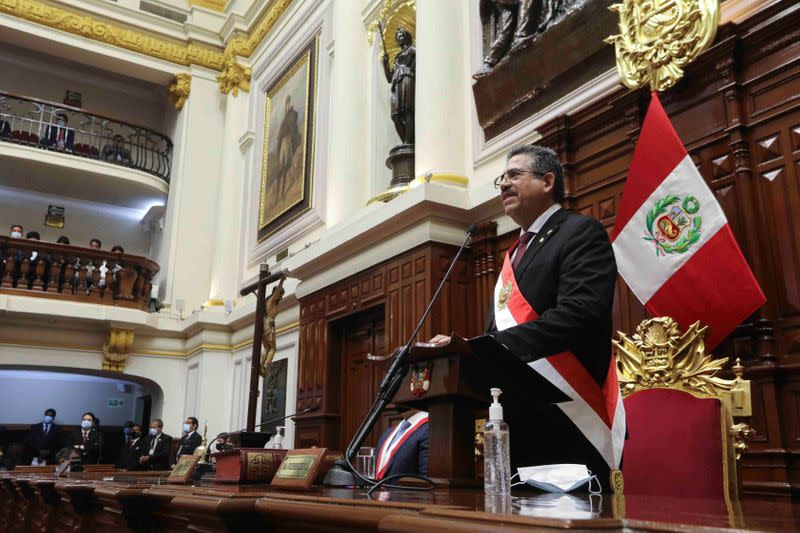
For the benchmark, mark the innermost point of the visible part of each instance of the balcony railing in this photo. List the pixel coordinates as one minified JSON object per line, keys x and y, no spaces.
{"x":62,"y":128}
{"x":50,"y":270}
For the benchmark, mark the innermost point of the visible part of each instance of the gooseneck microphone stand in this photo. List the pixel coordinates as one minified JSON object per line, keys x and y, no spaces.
{"x":389,"y":386}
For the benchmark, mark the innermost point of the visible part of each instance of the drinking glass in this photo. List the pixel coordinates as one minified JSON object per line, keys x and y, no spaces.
{"x":365,"y":461}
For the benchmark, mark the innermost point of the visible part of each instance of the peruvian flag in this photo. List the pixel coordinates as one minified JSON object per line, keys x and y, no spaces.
{"x":673,"y":244}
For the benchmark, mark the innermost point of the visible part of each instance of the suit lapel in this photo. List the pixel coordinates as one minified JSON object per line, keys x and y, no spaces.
{"x":548,"y":230}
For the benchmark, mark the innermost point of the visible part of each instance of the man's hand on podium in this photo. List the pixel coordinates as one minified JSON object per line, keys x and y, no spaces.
{"x":439,"y":340}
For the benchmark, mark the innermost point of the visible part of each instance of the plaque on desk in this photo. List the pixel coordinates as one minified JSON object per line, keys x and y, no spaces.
{"x":299,"y":469}
{"x":248,"y":465}
{"x":184,"y":468}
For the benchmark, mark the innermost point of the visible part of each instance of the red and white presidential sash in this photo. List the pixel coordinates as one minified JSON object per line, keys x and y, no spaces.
{"x":389,"y":448}
{"x":597,"y":413}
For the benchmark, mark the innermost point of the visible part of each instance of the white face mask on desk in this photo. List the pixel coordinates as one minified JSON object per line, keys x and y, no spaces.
{"x":556,"y":478}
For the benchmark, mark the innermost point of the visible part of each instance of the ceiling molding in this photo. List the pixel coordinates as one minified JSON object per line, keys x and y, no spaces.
{"x":108,"y":31}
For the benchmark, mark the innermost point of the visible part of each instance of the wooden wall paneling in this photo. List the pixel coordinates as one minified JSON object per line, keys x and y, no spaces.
{"x":483,"y":250}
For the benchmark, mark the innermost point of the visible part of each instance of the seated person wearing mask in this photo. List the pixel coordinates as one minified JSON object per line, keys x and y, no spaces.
{"x":43,"y":439}
{"x":87,"y":440}
{"x":157,"y":448}
{"x":133,"y":447}
{"x":190,"y":439}
{"x":403,"y":449}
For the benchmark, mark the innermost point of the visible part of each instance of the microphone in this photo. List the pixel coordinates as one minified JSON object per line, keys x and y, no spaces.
{"x":397,"y":371}
{"x":228,"y":433}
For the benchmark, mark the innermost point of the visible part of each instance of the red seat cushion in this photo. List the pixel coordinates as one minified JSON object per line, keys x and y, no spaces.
{"x":674,"y":446}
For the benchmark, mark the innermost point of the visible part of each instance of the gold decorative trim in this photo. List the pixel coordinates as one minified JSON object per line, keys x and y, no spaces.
{"x":114,"y":34}
{"x":394,"y":192}
{"x":234,"y":77}
{"x":393,"y":15}
{"x":179,"y":90}
{"x":243,"y":44}
{"x":287,"y":327}
{"x":117,"y":348}
{"x":214,"y":302}
{"x":213,"y":5}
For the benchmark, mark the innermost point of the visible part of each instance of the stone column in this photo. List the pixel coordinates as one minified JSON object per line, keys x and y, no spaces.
{"x":186,"y":249}
{"x":230,"y":202}
{"x":443,"y":84}
{"x":348,"y":170}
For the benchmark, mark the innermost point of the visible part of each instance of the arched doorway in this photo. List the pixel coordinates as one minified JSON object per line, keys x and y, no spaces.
{"x":27,"y":391}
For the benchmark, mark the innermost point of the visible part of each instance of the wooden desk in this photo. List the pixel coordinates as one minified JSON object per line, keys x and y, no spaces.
{"x":138,"y":503}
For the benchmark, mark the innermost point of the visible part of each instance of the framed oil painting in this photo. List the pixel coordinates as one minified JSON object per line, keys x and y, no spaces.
{"x":288,"y":153}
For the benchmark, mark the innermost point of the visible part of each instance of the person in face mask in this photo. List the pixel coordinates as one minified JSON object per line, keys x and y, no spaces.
{"x":87,"y":440}
{"x":133,"y":447}
{"x":16,"y":231}
{"x":190,"y":439}
{"x":68,"y":460}
{"x":43,"y":438}
{"x":157,"y":448}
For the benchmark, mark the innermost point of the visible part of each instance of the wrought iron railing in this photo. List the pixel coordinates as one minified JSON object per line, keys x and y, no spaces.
{"x":52,"y":126}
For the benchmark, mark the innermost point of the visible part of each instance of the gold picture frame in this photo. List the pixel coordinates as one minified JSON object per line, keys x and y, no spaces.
{"x":287,"y":176}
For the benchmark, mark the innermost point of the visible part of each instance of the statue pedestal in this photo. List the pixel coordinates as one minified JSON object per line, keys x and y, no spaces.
{"x":401,"y":161}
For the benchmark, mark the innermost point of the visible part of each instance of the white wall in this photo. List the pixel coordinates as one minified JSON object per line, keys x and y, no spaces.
{"x":83,"y":220}
{"x":48,"y":78}
{"x":70,"y":395}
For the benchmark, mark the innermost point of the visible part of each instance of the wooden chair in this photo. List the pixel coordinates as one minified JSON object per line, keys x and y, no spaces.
{"x":99,"y":468}
{"x":682,"y":441}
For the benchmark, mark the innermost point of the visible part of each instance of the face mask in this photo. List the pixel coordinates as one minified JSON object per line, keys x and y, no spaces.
{"x":186,"y":428}
{"x":86,"y":424}
{"x":153,"y":431}
{"x":16,"y":234}
{"x":134,"y":434}
{"x":127,"y":431}
{"x":556,"y":478}
{"x":48,"y":419}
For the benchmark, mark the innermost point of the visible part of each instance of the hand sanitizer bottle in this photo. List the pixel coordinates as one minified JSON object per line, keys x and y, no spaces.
{"x":496,"y":457}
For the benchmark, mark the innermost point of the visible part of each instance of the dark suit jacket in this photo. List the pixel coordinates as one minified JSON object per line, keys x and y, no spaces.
{"x":90,"y":452}
{"x":5,"y":128}
{"x":411,"y":456}
{"x":130,"y":453}
{"x":187,"y":445}
{"x":37,"y":440}
{"x":51,"y":136}
{"x":568,"y":275}
{"x":159,"y":460}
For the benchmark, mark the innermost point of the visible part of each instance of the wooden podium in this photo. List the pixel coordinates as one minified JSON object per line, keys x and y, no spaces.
{"x":459,"y":377}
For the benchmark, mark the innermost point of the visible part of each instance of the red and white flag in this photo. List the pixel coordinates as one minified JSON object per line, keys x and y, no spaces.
{"x":673,"y":244}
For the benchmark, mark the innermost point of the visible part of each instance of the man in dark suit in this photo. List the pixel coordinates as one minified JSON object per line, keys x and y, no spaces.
{"x":133,"y":447}
{"x":157,"y":448}
{"x":552,"y":309}
{"x":87,"y":440}
{"x":403,"y":449}
{"x":43,"y":439}
{"x":59,"y":135}
{"x":190,"y":439}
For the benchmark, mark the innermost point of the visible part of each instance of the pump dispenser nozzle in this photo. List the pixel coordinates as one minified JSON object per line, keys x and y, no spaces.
{"x":495,"y":410}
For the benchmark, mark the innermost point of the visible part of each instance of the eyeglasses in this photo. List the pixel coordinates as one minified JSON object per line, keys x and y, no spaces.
{"x":513,"y":176}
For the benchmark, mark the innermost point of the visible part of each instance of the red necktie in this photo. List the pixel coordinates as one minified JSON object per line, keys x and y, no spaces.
{"x":60,"y":135}
{"x":524,"y":239}
{"x":85,"y":438}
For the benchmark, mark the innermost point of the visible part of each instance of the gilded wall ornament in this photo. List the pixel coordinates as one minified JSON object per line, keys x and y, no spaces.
{"x":117,"y":348}
{"x":179,"y":90}
{"x":108,"y":32}
{"x":658,"y":38}
{"x":234,"y":77}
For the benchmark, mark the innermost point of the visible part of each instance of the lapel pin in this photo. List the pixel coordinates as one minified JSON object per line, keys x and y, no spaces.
{"x":541,"y":239}
{"x":549,"y":231}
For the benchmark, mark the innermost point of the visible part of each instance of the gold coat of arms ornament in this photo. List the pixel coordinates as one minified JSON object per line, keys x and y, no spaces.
{"x":658,"y":38}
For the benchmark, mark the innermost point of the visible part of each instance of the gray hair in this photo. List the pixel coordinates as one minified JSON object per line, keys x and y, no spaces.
{"x":543,"y":160}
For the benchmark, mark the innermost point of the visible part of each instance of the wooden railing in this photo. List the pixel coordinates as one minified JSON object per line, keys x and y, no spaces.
{"x":50,"y":270}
